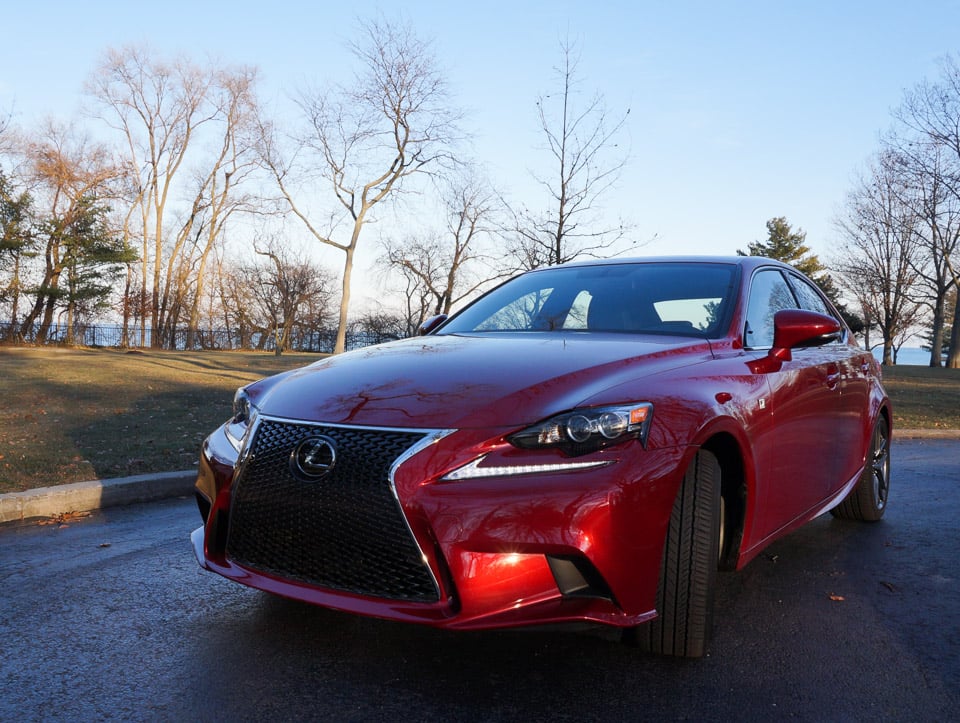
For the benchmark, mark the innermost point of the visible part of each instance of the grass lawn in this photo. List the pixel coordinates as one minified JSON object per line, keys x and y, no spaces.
{"x":76,"y":414}
{"x":923,"y":398}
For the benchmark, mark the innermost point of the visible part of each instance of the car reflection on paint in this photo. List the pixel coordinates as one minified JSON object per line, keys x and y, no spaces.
{"x":585,"y":443}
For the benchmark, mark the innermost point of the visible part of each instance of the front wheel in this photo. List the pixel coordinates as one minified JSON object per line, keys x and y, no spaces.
{"x":688,"y":571}
{"x":868,"y":500}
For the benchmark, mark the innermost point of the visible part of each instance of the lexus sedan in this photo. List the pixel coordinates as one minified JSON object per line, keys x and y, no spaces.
{"x":588,"y":442}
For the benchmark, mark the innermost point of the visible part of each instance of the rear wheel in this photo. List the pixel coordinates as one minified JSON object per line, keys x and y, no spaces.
{"x":868,"y":500}
{"x":688,"y":571}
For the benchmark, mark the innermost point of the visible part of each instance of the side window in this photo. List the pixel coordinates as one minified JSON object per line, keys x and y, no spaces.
{"x":577,"y":316}
{"x":769,"y":293}
{"x":809,"y":298}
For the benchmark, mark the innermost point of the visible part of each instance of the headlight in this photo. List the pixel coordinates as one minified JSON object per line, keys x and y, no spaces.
{"x":244,"y":412}
{"x":582,"y":431}
{"x":242,"y":406}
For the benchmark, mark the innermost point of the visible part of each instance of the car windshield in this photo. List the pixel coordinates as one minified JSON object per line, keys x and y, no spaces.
{"x":681,"y":299}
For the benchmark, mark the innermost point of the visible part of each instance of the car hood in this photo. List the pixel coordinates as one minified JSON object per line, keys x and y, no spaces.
{"x":456,"y":382}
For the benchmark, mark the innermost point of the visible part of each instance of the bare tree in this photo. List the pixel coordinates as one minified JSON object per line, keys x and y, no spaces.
{"x":285,"y":286}
{"x":157,"y":106}
{"x":69,"y":174}
{"x":368,"y":138}
{"x":931,"y":110}
{"x":929,"y":136}
{"x":379,"y":326}
{"x":452,"y":265}
{"x":237,"y":304}
{"x":5,"y":119}
{"x":217,"y":198}
{"x":416,"y":297}
{"x":167,"y":114}
{"x":925,"y":187}
{"x":880,"y":254}
{"x":582,"y":140}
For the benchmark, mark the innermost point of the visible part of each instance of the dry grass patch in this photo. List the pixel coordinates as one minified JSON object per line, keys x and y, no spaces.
{"x":72,"y":414}
{"x":923,"y":398}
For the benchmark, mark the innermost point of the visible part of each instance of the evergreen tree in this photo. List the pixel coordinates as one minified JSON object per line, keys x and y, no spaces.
{"x":16,"y":243}
{"x":789,"y":246}
{"x":92,"y":258}
{"x":82,"y":260}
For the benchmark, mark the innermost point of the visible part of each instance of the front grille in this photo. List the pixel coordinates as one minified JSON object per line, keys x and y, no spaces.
{"x":345,"y":531}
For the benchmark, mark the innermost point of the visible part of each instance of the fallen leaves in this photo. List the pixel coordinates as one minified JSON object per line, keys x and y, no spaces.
{"x":64,"y":518}
{"x":888,"y":585}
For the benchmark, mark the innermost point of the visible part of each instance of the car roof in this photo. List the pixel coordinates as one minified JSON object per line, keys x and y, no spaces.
{"x":746,"y":262}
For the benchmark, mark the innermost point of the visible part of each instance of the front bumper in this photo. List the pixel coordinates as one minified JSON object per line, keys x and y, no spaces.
{"x":508,"y":551}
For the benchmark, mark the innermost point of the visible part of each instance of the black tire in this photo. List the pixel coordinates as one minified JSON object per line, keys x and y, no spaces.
{"x":688,"y":572}
{"x":868,"y":500}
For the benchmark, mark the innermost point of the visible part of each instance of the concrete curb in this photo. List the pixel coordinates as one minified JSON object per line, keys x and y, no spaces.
{"x":97,"y":494}
{"x":925,"y":433}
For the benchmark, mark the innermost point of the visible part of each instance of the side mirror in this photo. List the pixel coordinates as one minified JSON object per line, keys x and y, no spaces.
{"x":432,"y":323}
{"x":795,"y":328}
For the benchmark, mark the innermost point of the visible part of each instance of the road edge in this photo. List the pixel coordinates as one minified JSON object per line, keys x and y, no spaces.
{"x":46,"y":502}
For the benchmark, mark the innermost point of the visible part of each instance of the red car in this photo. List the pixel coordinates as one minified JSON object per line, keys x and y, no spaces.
{"x":586,"y":442}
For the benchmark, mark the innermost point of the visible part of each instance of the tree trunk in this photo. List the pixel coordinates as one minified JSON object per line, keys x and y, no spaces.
{"x":15,"y":301}
{"x":28,"y":321}
{"x":125,"y":324}
{"x":936,"y":348}
{"x":194,"y":321}
{"x":953,"y":359}
{"x":156,"y":319}
{"x":47,"y":321}
{"x":341,"y":343}
{"x":46,"y":298}
{"x":71,"y":335}
{"x":143,"y":294}
{"x":888,"y":359}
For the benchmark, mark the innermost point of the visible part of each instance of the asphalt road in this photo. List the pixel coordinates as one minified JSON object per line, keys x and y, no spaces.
{"x":109,"y":617}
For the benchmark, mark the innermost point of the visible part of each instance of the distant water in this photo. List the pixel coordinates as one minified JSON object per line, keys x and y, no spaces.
{"x":908,"y":356}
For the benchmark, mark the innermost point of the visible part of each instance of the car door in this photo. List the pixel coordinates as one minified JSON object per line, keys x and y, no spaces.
{"x":793,"y":447}
{"x":846,"y":366}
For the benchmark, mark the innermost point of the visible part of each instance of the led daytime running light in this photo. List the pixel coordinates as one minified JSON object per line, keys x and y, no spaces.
{"x":473,"y":470}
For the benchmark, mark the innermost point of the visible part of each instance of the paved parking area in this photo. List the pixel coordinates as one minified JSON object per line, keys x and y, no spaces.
{"x":109,"y":617}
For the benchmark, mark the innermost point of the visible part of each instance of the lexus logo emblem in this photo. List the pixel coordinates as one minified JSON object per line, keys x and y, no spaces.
{"x":313,"y":458}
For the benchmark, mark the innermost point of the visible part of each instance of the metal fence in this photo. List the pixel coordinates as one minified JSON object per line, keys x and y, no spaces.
{"x":111,"y":336}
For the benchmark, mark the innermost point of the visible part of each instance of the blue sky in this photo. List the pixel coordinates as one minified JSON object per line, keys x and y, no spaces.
{"x":740,"y":111}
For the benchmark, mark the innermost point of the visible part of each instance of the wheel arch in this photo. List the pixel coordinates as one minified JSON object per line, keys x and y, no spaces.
{"x":887,"y":413}
{"x":734,"y":494}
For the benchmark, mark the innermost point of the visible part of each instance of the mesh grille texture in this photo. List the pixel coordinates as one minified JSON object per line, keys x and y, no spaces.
{"x":345,"y":531}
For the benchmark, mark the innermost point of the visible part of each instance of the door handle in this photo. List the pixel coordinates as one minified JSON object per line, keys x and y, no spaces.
{"x":833,"y":378}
